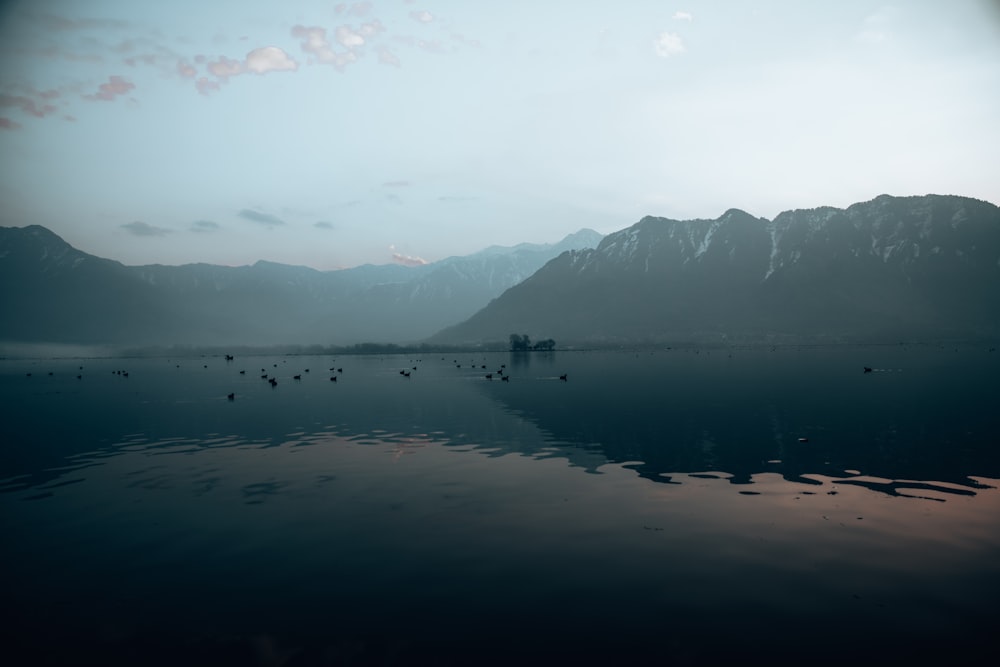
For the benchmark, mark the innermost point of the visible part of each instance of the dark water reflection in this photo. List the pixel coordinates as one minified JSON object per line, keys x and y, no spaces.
{"x":446,"y":518}
{"x":922,"y":413}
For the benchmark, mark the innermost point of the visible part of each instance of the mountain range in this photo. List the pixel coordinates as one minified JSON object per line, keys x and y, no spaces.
{"x":893,"y":268}
{"x":51,"y":292}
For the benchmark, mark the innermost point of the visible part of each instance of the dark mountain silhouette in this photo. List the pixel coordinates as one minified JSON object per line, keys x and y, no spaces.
{"x":887,"y":269}
{"x":52,"y":292}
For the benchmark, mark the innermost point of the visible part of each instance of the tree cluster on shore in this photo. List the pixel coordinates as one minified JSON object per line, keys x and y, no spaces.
{"x":522,"y":343}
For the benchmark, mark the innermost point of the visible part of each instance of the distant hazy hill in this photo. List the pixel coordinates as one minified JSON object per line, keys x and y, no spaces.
{"x":52,"y":292}
{"x":886,"y":269}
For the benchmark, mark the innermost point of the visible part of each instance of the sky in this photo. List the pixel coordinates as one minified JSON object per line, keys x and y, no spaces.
{"x":332,"y":134}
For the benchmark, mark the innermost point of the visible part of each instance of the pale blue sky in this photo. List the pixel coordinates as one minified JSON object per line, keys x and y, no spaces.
{"x":333,"y":134}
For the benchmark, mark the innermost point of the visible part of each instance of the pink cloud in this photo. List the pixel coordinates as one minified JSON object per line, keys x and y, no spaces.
{"x":8,"y":124}
{"x":206,"y":86}
{"x":225,"y":68}
{"x":406,"y":260}
{"x":115,"y":86}
{"x":186,"y":70}
{"x":145,"y":59}
{"x":259,"y":61}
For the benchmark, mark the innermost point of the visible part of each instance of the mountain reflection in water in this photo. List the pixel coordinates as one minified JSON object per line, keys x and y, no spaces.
{"x":654,"y":505}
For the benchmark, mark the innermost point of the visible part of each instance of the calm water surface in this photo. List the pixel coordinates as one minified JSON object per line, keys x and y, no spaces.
{"x":671,"y":507}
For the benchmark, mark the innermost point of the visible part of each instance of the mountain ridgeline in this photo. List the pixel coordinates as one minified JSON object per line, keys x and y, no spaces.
{"x":53,"y":293}
{"x":890,"y":269}
{"x":893,"y":268}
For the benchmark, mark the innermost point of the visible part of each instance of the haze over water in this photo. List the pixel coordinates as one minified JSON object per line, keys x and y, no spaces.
{"x":681,"y":506}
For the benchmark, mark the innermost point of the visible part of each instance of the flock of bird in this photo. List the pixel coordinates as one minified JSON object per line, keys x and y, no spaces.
{"x":500,"y":373}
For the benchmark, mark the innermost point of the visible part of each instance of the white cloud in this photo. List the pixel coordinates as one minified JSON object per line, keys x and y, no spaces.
{"x":270,"y":59}
{"x":314,"y":42}
{"x":668,"y":44}
{"x":423,"y":16}
{"x":371,"y":28}
{"x":682,"y":16}
{"x":347,"y":38}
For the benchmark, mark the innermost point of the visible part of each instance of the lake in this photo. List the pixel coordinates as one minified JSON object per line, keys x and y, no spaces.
{"x":671,"y":506}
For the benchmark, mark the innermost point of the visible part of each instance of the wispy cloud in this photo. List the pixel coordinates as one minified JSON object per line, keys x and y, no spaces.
{"x":115,"y":87}
{"x":406,"y":260}
{"x":204,"y":226}
{"x":877,"y":27}
{"x":682,"y":16}
{"x":206,"y":86}
{"x":432,"y":46}
{"x":323,"y":224}
{"x":56,"y":22}
{"x":396,"y":184}
{"x":423,"y":16}
{"x":8,"y":124}
{"x":387,"y":57}
{"x":668,"y":44}
{"x":224,"y":67}
{"x":261,"y":218}
{"x":139,"y":228}
{"x":355,"y":9}
{"x":39,"y":108}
